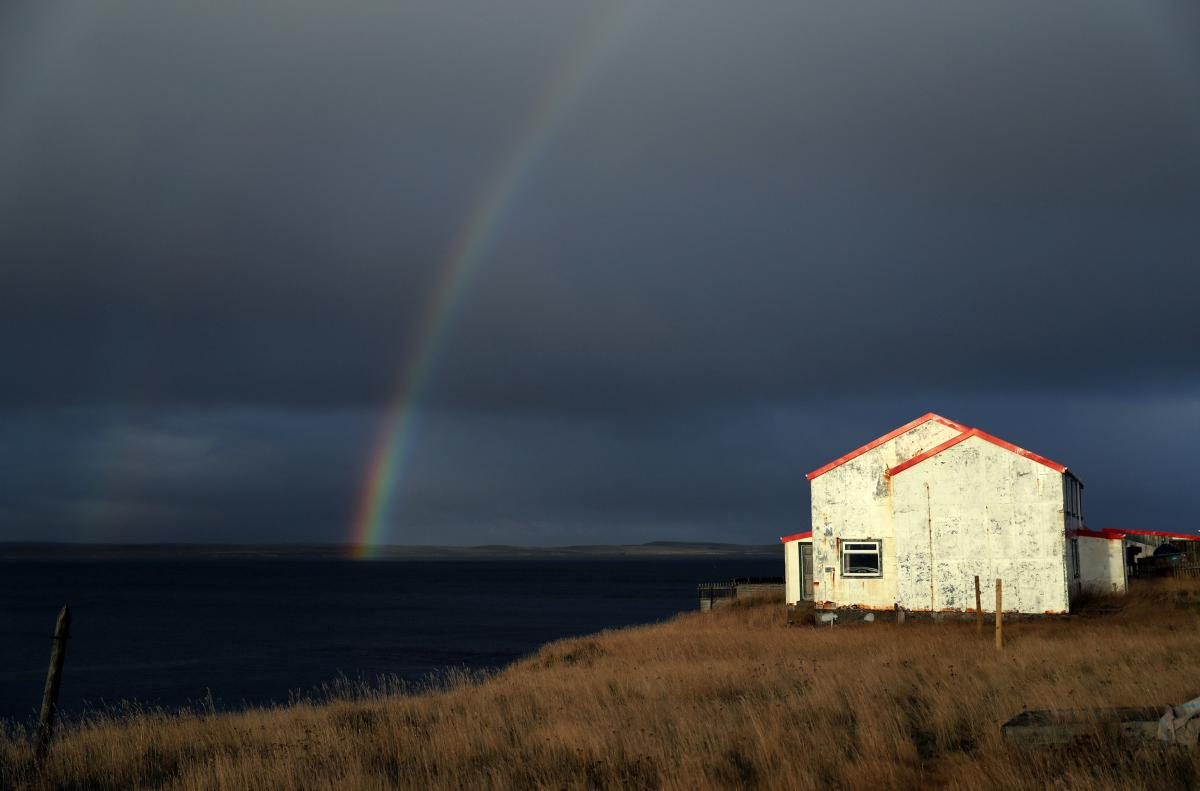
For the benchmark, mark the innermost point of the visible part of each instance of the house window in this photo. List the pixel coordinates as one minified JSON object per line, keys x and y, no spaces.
{"x":862,"y":559}
{"x":1075,"y":557}
{"x":1074,"y":498}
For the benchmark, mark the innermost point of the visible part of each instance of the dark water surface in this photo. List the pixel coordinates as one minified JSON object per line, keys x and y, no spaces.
{"x":251,"y":631}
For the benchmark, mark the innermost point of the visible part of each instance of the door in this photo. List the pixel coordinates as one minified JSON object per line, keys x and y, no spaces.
{"x":806,"y":572}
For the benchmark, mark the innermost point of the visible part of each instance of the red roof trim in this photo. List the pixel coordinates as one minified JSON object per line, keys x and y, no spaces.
{"x":795,"y":537}
{"x":1108,"y":532}
{"x":982,"y":435}
{"x":1160,"y":534}
{"x":1022,"y":452}
{"x":885,"y":438}
{"x":935,"y":450}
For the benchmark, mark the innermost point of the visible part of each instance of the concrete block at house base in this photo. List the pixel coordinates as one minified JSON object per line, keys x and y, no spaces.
{"x":1063,"y":726}
{"x":849,"y":616}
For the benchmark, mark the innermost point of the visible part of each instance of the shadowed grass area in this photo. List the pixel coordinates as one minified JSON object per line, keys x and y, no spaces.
{"x":727,"y":699}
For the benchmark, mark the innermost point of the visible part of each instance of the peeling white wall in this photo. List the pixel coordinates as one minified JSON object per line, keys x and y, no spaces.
{"x":853,"y":501}
{"x":979,"y":509}
{"x":1101,"y":565}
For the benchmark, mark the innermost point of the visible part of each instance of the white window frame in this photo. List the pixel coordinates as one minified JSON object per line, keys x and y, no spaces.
{"x":850,"y":548}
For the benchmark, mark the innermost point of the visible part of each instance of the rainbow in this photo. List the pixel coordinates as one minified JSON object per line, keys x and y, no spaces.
{"x":393,"y":445}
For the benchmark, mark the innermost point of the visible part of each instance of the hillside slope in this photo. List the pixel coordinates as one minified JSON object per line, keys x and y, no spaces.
{"x":729,"y":699}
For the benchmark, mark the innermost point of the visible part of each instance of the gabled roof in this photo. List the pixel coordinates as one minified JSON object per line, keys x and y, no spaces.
{"x":974,"y":432}
{"x":796,"y":537}
{"x":886,"y":438}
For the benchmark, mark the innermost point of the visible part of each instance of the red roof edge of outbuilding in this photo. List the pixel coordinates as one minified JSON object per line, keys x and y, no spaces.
{"x":975,"y":432}
{"x":795,"y":537}
{"x":875,"y":443}
{"x":1107,"y":532}
{"x":1156,"y":533}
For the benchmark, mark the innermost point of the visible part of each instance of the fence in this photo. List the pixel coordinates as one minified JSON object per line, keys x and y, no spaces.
{"x":712,"y":594}
{"x":1188,"y":570}
{"x":1185,"y":570}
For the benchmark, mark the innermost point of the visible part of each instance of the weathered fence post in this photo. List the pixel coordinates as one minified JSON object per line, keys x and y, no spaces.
{"x":58,"y":653}
{"x":999,"y":615}
{"x":978,"y":608}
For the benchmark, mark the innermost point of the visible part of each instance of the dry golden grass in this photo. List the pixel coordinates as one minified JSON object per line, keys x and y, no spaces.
{"x":729,"y":699}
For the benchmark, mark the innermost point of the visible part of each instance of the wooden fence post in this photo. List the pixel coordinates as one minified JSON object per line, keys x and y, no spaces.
{"x":58,"y":653}
{"x":999,"y":614}
{"x":978,"y":608}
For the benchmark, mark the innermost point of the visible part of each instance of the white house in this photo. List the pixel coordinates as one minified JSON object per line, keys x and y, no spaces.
{"x":910,"y":519}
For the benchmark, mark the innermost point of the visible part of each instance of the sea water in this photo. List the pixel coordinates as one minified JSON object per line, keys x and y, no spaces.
{"x":187,"y":632}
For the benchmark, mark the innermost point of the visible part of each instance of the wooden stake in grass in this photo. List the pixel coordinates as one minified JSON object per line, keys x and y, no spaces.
{"x":978,"y":608}
{"x":58,"y":653}
{"x":999,"y":614}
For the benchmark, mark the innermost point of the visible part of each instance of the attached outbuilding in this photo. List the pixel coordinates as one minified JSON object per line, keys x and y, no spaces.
{"x":798,"y":567}
{"x":1155,"y":553}
{"x":911,"y":518}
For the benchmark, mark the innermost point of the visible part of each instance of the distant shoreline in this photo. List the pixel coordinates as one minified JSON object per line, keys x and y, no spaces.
{"x":656,"y":549}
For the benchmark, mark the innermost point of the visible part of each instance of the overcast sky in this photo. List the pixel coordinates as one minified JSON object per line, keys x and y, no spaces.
{"x":754,"y":237}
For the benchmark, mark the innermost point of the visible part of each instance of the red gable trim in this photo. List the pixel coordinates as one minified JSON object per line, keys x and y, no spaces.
{"x":920,"y":457}
{"x":1160,"y":534}
{"x":795,"y":537}
{"x":982,"y":435}
{"x":854,"y":454}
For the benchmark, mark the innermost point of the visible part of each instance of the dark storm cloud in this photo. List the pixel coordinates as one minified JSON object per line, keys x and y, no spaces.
{"x":200,"y":203}
{"x":219,"y":224}
{"x":177,"y":475}
{"x":247,"y":205}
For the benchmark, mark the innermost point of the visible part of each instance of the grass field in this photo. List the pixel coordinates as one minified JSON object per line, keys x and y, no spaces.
{"x":728,"y":699}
